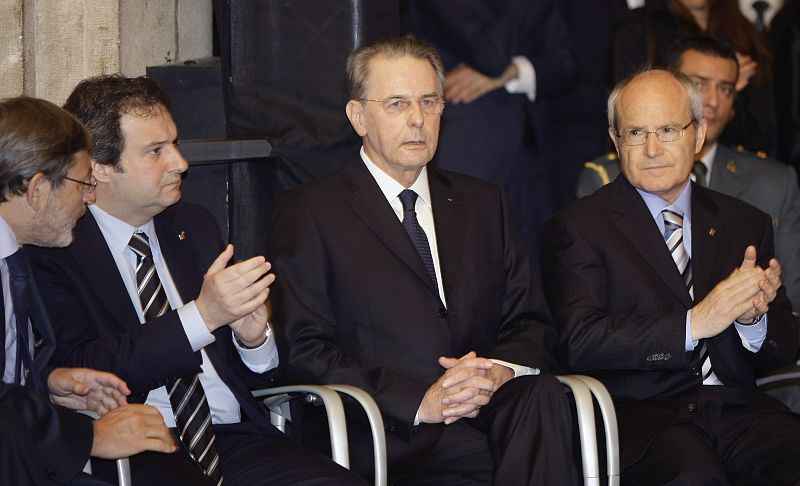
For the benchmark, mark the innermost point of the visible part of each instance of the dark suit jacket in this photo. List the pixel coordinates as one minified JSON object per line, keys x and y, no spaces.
{"x":356,"y":305}
{"x":621,"y":304}
{"x":96,"y":324}
{"x":62,"y":438}
{"x":765,"y":183}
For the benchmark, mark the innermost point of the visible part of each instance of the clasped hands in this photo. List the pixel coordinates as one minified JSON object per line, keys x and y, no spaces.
{"x":467,"y":384}
{"x":123,"y":429}
{"x":465,"y":84}
{"x":237,"y":296}
{"x":745,"y":294}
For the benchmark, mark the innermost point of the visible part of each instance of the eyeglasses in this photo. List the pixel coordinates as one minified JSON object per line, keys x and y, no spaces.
{"x":87,"y":184}
{"x":397,"y":105}
{"x":667,"y":133}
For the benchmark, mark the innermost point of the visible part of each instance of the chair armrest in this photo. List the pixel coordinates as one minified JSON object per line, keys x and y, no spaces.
{"x":603,"y":399}
{"x":586,"y":427}
{"x":375,"y":424}
{"x":333,"y":408}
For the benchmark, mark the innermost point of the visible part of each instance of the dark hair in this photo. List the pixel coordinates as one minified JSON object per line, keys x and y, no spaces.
{"x":358,"y":61}
{"x":100,"y":102}
{"x":702,"y":43}
{"x":36,"y":136}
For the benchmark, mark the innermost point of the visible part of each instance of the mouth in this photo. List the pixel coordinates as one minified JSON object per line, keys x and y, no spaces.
{"x":414,"y":144}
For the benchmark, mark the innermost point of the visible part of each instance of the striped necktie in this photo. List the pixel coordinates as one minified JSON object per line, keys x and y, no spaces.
{"x":673,"y":234}
{"x":186,"y":394}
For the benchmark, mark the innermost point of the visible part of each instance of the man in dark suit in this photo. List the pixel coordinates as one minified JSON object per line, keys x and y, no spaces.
{"x":129,"y":295}
{"x":505,"y":61}
{"x":669,"y":294}
{"x":765,"y":183}
{"x":439,"y":317}
{"x":45,"y":178}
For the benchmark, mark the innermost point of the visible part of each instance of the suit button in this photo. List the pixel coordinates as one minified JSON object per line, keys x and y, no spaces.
{"x":695,"y":370}
{"x":442,"y":312}
{"x":691,"y":408}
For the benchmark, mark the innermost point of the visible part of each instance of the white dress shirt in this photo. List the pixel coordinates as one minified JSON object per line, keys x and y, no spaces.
{"x":223,"y":404}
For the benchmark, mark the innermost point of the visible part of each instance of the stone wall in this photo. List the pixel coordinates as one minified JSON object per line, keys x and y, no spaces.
{"x":47,"y":46}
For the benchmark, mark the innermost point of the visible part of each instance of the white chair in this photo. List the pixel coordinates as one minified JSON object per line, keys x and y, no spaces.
{"x":277,"y":401}
{"x":584,"y":390}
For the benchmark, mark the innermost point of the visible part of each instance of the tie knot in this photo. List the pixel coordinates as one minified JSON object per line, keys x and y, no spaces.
{"x":17,"y":266}
{"x":408,"y":199}
{"x":140,"y":244}
{"x":673,"y":220}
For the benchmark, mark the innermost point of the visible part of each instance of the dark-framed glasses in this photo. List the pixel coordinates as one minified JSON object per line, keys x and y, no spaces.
{"x":396,"y":105}
{"x":638,"y":136}
{"x":87,"y":184}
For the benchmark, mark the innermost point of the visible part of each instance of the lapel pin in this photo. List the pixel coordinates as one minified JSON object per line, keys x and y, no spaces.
{"x":449,"y":199}
{"x":731,"y":166}
{"x":182,"y":235}
{"x":712,"y":231}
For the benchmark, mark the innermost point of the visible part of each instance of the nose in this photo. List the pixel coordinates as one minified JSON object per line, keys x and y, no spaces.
{"x":89,"y":196}
{"x":652,"y":145}
{"x":178,"y":163}
{"x":416,"y":118}
{"x":710,"y":96}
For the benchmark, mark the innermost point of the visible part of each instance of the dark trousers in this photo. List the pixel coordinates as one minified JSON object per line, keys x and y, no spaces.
{"x":18,"y":462}
{"x":522,"y":437}
{"x":726,"y":443}
{"x":247,"y":457}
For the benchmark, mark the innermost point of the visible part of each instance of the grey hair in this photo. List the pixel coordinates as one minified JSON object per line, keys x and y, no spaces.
{"x":393,"y":48}
{"x":695,"y":97}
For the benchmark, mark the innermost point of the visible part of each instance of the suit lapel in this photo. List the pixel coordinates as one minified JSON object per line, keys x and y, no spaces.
{"x":706,"y":236}
{"x":725,"y":174}
{"x":177,"y":248}
{"x":448,"y":213}
{"x":368,"y":202}
{"x":630,"y":214}
{"x":93,"y":257}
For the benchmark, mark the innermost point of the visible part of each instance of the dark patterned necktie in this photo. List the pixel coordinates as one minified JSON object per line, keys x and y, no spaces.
{"x":673,"y":233}
{"x":18,"y":277}
{"x":409,"y":199}
{"x":186,"y":395}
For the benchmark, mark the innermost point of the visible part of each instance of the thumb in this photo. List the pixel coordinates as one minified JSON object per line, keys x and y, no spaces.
{"x":221,"y":261}
{"x":749,"y":260}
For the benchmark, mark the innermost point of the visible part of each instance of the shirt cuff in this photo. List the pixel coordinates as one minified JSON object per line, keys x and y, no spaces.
{"x":195,"y":328}
{"x":690,"y":343}
{"x":519,"y":370}
{"x":753,"y":335}
{"x":262,"y":358}
{"x":525,"y":82}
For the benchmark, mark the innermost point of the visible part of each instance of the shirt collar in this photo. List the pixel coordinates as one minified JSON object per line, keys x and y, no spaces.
{"x":391,"y":188}
{"x":655,"y":204}
{"x":117,"y":232}
{"x":8,"y":240}
{"x":708,"y":160}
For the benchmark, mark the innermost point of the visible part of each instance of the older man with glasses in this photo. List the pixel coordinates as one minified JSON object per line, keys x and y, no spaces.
{"x":670,"y":294}
{"x":414,"y":284}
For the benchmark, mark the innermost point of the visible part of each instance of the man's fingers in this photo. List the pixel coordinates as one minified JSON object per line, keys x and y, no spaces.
{"x":749,"y":260}
{"x":221,"y":261}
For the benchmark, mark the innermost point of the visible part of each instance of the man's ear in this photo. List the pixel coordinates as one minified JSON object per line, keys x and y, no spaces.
{"x":38,"y":190}
{"x":355,"y":113}
{"x":612,"y":132}
{"x":701,"y":135}
{"x":101,"y":172}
